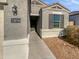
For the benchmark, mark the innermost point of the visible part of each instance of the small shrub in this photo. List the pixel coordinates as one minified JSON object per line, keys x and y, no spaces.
{"x":72,"y":35}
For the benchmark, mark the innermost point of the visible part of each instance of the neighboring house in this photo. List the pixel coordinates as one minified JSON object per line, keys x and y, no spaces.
{"x":54,"y":19}
{"x":74,"y":16}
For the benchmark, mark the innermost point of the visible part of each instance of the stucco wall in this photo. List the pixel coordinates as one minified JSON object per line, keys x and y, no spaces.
{"x":36,"y":5}
{"x":39,"y":23}
{"x":1,"y":30}
{"x":16,"y":49}
{"x":16,"y":35}
{"x":4,"y":1}
{"x":15,"y":31}
{"x":35,"y":9}
{"x":66,"y":19}
{"x":45,"y":18}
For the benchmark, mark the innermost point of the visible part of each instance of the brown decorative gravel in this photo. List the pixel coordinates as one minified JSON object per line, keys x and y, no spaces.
{"x":62,"y":49}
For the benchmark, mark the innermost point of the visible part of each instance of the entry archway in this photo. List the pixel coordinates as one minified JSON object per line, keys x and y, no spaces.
{"x":33,"y":22}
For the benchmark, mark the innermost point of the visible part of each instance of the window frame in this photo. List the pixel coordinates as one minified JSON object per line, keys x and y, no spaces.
{"x":60,"y":22}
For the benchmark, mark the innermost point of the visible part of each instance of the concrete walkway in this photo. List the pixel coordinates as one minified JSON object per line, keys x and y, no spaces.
{"x":38,"y":49}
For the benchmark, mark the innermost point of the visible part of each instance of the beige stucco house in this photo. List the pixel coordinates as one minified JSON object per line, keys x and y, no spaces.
{"x":54,"y":19}
{"x":50,"y":20}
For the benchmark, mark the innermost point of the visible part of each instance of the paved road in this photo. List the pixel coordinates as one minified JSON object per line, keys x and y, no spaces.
{"x":38,"y":49}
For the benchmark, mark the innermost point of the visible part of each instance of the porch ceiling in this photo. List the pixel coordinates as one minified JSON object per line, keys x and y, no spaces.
{"x":34,"y":14}
{"x":3,"y":2}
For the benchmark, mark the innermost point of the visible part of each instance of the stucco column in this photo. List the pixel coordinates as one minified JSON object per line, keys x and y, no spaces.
{"x":16,"y":43}
{"x":1,"y":30}
{"x":1,"y":27}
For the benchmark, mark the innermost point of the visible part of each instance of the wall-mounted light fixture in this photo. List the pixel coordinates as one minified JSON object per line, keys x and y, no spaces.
{"x":14,"y":10}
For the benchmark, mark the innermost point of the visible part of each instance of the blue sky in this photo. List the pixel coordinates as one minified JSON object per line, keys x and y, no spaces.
{"x":72,"y":5}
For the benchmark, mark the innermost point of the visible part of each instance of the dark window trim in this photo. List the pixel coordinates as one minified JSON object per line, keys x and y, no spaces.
{"x":61,"y":22}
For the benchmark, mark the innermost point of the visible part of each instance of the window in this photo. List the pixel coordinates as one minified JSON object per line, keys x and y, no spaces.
{"x":56,"y":21}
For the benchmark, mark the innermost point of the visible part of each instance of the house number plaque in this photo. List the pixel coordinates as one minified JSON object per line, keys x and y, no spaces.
{"x":15,"y":20}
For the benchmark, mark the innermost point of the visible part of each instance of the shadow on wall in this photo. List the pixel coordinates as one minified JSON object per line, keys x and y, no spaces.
{"x":39,"y":24}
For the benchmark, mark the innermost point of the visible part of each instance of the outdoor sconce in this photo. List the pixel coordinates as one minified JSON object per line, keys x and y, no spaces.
{"x":14,"y":10}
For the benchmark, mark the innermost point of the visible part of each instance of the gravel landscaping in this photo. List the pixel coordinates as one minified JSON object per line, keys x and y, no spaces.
{"x":62,"y":49}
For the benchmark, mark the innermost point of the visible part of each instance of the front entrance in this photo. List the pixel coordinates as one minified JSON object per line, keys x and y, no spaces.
{"x":33,"y":22}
